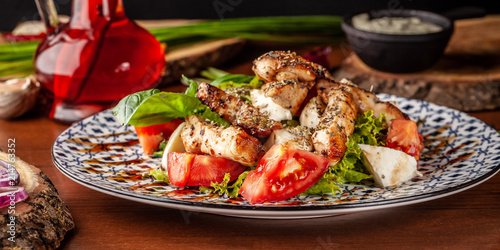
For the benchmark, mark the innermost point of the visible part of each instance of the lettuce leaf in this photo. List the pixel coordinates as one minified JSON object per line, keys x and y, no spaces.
{"x":224,"y":189}
{"x":351,"y":169}
{"x":151,"y":107}
{"x":159,"y":175}
{"x":367,"y":129}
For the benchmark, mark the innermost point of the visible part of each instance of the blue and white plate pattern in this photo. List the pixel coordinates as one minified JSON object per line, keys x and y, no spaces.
{"x":460,"y":152}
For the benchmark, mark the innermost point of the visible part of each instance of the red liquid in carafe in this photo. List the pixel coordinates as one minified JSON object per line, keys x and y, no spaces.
{"x":91,"y":63}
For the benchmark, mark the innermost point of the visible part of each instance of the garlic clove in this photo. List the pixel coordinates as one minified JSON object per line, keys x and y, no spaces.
{"x":18,"y":96}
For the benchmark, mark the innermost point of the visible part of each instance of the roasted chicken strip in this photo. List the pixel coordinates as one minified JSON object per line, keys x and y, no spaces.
{"x":364,"y":100}
{"x":336,"y":123}
{"x":237,"y":112}
{"x":299,"y":137}
{"x":312,"y":112}
{"x":289,"y":94}
{"x":280,"y":65}
{"x":200,"y":136}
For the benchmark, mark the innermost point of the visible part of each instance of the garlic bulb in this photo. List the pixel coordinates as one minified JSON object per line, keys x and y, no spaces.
{"x":17,"y":96}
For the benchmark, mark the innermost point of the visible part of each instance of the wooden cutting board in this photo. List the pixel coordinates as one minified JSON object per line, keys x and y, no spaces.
{"x":467,"y":77}
{"x":41,"y":220}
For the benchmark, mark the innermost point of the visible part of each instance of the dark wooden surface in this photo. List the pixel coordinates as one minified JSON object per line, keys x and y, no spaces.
{"x":467,"y":220}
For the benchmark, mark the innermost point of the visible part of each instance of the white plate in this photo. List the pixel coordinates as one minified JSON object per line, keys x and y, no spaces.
{"x":461,"y":152}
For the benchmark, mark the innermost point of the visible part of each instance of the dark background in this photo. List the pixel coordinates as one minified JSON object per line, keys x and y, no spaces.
{"x":14,"y":11}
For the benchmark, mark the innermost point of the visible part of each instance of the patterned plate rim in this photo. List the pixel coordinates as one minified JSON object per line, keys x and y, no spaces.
{"x":401,"y":201}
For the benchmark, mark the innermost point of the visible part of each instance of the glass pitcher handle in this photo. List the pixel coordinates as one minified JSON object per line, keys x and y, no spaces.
{"x":48,"y":13}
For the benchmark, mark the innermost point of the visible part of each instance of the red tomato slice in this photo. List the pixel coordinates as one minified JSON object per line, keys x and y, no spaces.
{"x":283,"y":172}
{"x":185,"y":169}
{"x":207,"y":169}
{"x":403,"y":135}
{"x":179,"y":168}
{"x":151,"y":136}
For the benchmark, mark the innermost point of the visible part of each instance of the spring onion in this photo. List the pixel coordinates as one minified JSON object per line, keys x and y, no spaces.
{"x":16,"y":58}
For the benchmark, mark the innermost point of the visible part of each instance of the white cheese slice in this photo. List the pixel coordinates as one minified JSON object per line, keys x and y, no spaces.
{"x":174,"y":144}
{"x":388,"y":166}
{"x":268,"y":107}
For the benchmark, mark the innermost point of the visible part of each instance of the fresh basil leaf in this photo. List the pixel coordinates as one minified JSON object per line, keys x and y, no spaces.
{"x":205,"y":113}
{"x":164,"y":107}
{"x":153,"y":107}
{"x":127,"y":106}
{"x":193,"y":86}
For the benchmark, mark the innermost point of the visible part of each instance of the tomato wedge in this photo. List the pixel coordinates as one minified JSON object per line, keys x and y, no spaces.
{"x":179,"y":168}
{"x":186,"y":169}
{"x":283,"y":172}
{"x":403,"y":135}
{"x":151,"y":136}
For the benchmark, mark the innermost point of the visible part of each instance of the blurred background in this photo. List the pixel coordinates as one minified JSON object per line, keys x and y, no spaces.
{"x":14,"y":11}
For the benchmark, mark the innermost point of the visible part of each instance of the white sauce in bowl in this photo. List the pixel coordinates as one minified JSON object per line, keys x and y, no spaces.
{"x":394,"y":25}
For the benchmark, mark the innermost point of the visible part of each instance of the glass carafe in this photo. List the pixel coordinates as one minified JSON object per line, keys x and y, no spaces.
{"x":96,"y":59}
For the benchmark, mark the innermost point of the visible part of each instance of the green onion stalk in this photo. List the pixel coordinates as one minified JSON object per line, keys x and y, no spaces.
{"x":16,"y":59}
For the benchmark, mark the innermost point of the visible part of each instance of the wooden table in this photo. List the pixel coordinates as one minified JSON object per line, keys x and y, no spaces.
{"x":470,"y":219}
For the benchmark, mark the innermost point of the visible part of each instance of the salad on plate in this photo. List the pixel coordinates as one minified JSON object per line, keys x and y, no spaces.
{"x":289,"y":130}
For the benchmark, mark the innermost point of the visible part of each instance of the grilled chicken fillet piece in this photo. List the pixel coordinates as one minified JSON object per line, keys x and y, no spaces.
{"x":199,"y":136}
{"x":311,"y":114}
{"x":299,"y":137}
{"x":237,"y":112}
{"x":336,"y":123}
{"x":280,"y":65}
{"x":366,"y":100}
{"x":289,"y":94}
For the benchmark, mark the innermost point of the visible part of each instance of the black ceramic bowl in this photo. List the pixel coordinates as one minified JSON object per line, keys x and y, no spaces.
{"x":399,"y":53}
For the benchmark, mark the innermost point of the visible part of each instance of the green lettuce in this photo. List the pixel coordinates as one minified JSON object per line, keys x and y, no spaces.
{"x":151,"y":107}
{"x":159,"y":175}
{"x":224,"y":188}
{"x":161,"y":149}
{"x":351,"y":169}
{"x":368,"y":129}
